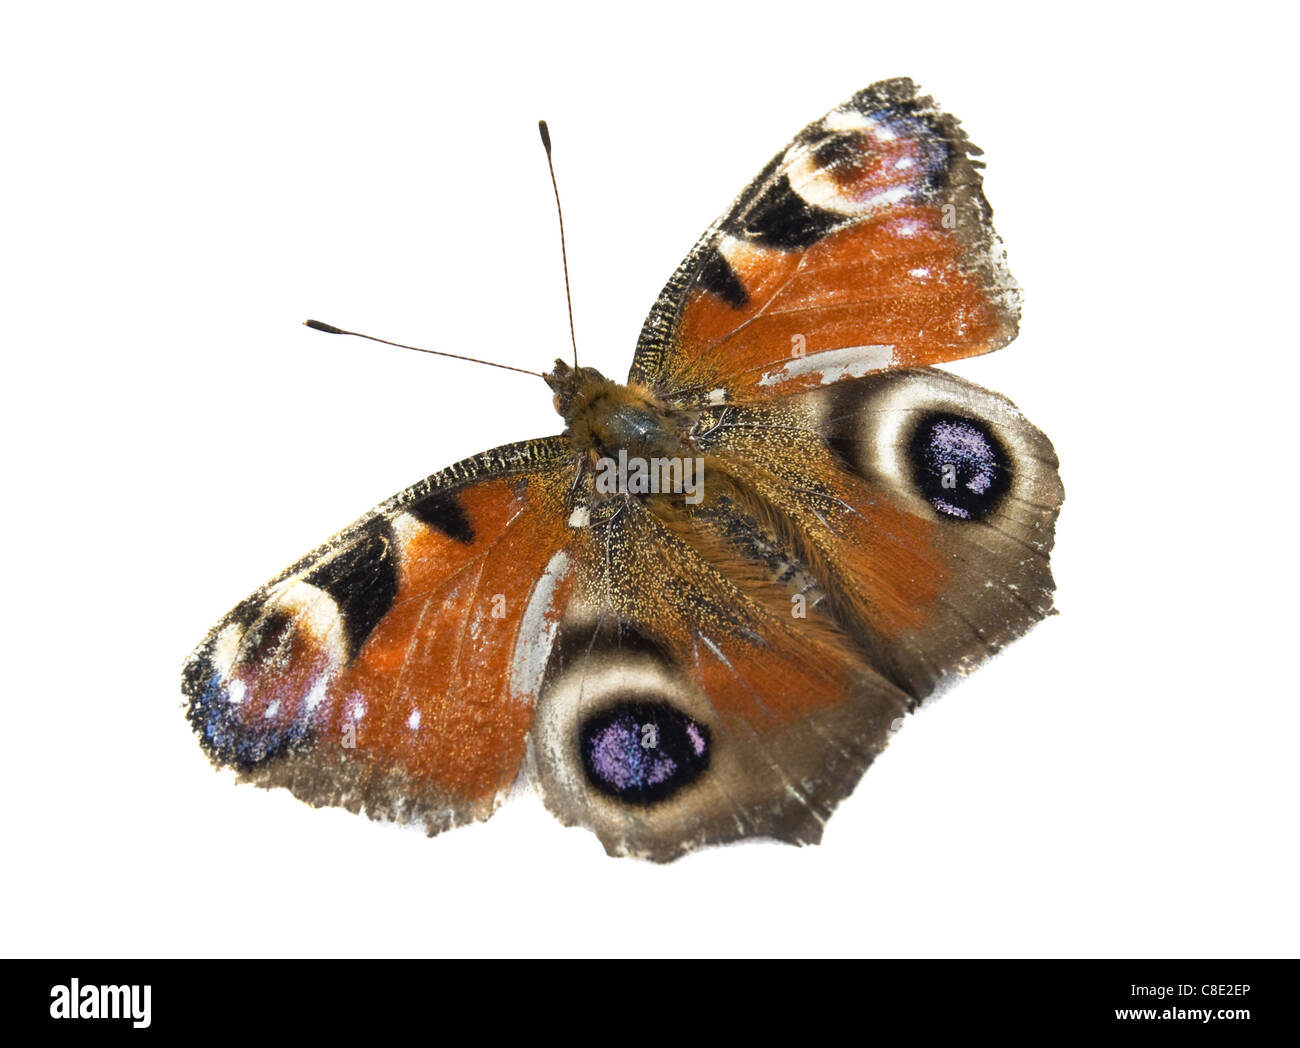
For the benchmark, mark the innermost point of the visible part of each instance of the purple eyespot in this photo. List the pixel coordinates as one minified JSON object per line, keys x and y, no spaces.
{"x":961,"y":468}
{"x":642,"y":752}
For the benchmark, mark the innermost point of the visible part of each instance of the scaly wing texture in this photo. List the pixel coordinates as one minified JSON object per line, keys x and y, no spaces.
{"x":865,"y":244}
{"x":395,"y":668}
{"x":684,"y":704}
{"x":926,"y":504}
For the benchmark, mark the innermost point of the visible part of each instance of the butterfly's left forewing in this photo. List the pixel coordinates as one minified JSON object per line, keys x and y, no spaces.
{"x":396,"y":667}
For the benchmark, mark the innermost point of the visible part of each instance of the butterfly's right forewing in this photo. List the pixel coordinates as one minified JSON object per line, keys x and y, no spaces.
{"x":867,"y":243}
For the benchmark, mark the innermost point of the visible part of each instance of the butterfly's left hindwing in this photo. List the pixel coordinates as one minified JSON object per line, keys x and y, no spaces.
{"x":396,"y":667}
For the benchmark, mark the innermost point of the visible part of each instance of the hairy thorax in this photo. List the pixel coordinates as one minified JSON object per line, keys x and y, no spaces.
{"x":604,"y":417}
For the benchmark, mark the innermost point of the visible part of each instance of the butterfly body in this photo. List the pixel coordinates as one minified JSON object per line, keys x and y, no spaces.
{"x":697,"y":613}
{"x":603,"y":417}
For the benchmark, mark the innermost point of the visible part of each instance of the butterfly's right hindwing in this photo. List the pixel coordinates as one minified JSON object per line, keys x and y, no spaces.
{"x":395,"y":668}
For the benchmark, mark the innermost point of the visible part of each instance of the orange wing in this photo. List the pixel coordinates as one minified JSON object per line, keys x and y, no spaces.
{"x":396,"y":667}
{"x":697,"y":690}
{"x":866,"y":244}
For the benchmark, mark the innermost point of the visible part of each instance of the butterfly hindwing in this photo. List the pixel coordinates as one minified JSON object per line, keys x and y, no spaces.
{"x":927,"y":505}
{"x":396,"y":667}
{"x":866,"y":244}
{"x":693,"y":695}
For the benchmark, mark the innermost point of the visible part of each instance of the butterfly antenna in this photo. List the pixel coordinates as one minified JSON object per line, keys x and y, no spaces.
{"x":546,"y":143}
{"x":330,"y":329}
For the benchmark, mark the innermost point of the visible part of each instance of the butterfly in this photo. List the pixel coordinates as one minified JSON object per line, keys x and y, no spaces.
{"x":699,"y":612}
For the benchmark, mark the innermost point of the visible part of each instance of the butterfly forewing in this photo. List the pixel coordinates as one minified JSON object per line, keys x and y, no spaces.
{"x":396,"y":667}
{"x":866,"y":244}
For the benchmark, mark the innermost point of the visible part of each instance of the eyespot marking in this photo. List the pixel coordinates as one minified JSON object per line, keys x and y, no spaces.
{"x":960,"y":466}
{"x":642,"y":752}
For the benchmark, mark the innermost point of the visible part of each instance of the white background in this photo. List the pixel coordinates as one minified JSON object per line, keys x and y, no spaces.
{"x":184,"y":183}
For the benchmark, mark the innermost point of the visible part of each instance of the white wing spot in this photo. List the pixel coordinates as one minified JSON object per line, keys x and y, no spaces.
{"x":853,"y":362}
{"x":226,"y":649}
{"x":846,"y":120}
{"x":317,"y":694}
{"x":536,"y":632}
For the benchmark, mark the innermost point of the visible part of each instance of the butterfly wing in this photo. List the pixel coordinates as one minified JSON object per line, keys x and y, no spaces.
{"x":683,"y":704}
{"x":867,"y":243}
{"x":396,"y":667}
{"x":927,"y":503}
{"x":730,"y":669}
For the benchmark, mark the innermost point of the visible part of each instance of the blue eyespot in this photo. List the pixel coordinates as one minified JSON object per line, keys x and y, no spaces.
{"x":642,"y":752}
{"x":961,"y":468}
{"x":234,"y":734}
